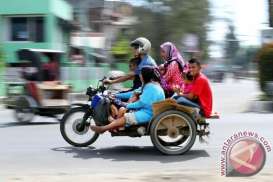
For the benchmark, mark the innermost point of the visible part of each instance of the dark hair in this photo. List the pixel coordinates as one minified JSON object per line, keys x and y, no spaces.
{"x":188,"y":76}
{"x":195,"y":61}
{"x":135,"y":61}
{"x":150,"y":73}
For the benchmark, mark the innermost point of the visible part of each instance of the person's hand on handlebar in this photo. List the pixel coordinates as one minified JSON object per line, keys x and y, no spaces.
{"x":108,"y":81}
{"x":129,"y":76}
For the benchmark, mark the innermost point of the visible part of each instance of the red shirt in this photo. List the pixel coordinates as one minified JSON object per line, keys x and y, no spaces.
{"x":52,"y":69}
{"x":201,"y":89}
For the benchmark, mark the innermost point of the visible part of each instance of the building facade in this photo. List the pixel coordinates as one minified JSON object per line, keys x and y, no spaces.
{"x":36,"y":24}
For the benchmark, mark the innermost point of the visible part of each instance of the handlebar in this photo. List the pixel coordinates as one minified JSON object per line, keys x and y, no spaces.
{"x":100,"y":88}
{"x":104,"y":78}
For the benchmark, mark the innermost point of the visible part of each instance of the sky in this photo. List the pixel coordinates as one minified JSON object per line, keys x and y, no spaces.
{"x":248,"y":16}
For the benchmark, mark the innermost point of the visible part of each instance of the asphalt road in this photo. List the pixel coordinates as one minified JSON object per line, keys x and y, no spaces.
{"x":37,"y":152}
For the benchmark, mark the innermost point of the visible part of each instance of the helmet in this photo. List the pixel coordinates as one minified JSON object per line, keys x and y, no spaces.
{"x":142,"y":44}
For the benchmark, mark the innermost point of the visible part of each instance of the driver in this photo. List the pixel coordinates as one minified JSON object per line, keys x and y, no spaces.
{"x":141,"y":47}
{"x":141,"y":110}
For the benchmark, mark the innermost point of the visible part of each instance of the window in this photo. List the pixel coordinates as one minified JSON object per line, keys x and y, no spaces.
{"x":27,"y":29}
{"x":19,"y":29}
{"x":37,"y":29}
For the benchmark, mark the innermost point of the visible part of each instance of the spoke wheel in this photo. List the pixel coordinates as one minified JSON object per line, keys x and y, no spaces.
{"x":73,"y":133}
{"x":173,"y":132}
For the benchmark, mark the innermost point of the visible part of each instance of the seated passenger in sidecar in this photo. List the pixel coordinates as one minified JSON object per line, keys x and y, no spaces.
{"x":200,"y":95}
{"x":140,"y":112}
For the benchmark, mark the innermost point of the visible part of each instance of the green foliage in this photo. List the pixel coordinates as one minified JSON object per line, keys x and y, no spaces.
{"x":120,"y":50}
{"x":265,"y":62}
{"x":2,"y":59}
{"x":181,"y":17}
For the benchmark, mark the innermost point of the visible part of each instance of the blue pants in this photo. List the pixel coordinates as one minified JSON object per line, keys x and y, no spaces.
{"x":184,"y":101}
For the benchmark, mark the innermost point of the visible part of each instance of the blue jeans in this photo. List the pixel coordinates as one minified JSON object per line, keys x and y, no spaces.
{"x":184,"y":101}
{"x":187,"y":102}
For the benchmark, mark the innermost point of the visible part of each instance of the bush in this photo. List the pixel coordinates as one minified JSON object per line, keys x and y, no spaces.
{"x":265,"y":65}
{"x":121,"y":50}
{"x":2,"y":59}
{"x":2,"y":65}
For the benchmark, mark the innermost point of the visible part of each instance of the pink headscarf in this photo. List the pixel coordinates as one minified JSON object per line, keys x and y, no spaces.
{"x":172,"y":54}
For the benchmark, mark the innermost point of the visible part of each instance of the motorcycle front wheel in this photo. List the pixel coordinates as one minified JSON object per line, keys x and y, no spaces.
{"x":72,"y":133}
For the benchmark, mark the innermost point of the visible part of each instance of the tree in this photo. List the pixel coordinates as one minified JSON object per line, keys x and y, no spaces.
{"x":231,"y":45}
{"x":170,"y":20}
{"x":120,"y":49}
{"x":265,"y":62}
{"x":270,"y":12}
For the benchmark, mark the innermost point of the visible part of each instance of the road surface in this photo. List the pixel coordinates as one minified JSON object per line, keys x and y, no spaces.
{"x":37,"y":152}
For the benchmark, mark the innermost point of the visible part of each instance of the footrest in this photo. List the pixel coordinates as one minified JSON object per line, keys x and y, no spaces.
{"x":203,"y":132}
{"x":203,"y":124}
{"x":203,"y":129}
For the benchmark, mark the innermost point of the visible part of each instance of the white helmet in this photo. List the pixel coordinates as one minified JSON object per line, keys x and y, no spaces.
{"x":142,"y":44}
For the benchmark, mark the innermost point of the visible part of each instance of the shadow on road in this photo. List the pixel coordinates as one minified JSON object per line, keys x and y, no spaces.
{"x":15,"y":124}
{"x":130,"y":153}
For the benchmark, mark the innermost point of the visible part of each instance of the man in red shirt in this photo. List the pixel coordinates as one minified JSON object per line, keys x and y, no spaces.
{"x":201,"y":95}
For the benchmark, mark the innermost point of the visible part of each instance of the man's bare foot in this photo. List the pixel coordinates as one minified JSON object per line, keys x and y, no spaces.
{"x":97,"y":129}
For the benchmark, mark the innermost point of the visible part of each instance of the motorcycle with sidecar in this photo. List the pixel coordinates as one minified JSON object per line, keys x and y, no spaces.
{"x":173,"y":128}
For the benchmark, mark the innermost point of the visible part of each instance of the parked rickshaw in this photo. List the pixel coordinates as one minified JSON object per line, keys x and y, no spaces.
{"x":41,"y":93}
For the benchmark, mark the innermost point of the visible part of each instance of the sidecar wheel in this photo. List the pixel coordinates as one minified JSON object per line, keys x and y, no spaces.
{"x":173,"y":132}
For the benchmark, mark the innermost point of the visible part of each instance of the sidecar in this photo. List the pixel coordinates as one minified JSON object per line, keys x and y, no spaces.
{"x":173,"y":129}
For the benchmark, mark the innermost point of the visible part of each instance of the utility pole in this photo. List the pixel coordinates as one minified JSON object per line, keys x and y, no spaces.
{"x":270,"y":9}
